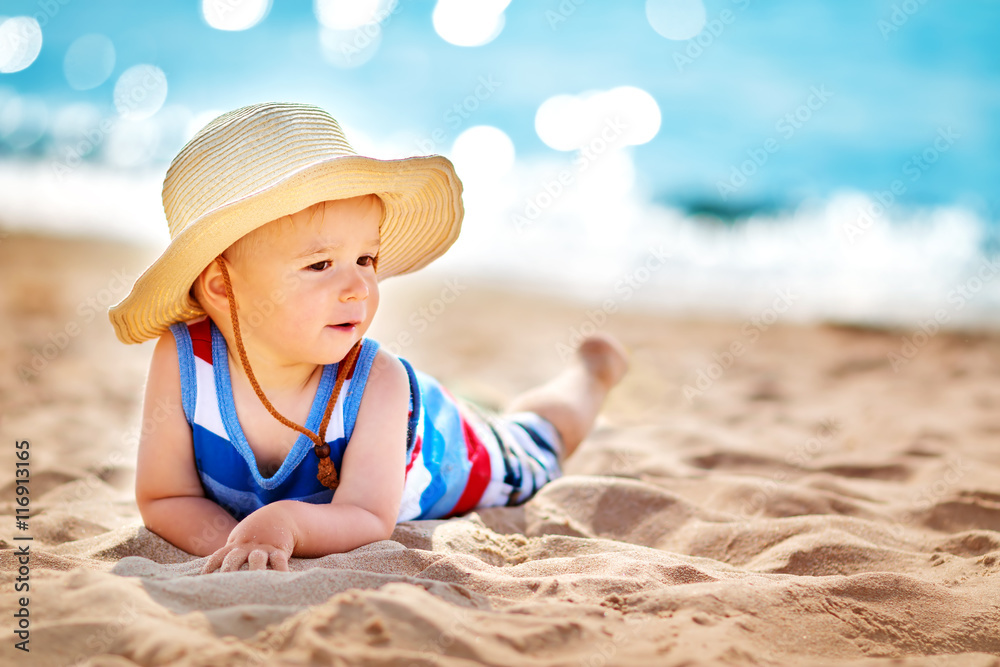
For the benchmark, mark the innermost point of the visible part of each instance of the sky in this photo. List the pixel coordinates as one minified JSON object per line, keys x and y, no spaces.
{"x":800,"y":98}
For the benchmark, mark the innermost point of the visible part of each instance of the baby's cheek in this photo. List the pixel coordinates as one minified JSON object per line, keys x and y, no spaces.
{"x":302,"y":319}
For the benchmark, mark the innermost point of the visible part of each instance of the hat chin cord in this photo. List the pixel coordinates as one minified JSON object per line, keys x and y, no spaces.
{"x":327,"y":474}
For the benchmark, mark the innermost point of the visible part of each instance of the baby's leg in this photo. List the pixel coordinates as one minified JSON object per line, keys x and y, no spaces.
{"x":573,"y":398}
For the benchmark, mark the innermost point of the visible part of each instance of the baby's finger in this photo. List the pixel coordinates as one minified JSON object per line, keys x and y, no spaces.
{"x":234,"y":560}
{"x":257,"y":560}
{"x":279,"y":560}
{"x":213,"y":562}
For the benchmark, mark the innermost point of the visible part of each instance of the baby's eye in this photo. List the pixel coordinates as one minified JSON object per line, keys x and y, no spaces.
{"x":319,"y":266}
{"x":366,"y":260}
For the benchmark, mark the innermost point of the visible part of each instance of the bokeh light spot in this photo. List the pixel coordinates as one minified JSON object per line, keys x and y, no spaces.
{"x":234,"y":14}
{"x":640,"y":111}
{"x":350,"y":14}
{"x":132,"y":143}
{"x":76,"y":131}
{"x":623,"y":116}
{"x":23,"y":121}
{"x":89,"y":61}
{"x":140,"y":92}
{"x":352,"y":47}
{"x":20,"y":43}
{"x":482,"y":153}
{"x":469,"y":22}
{"x":676,"y":19}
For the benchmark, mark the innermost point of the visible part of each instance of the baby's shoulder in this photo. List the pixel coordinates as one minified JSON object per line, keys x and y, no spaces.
{"x":164,"y":378}
{"x":386,"y":367}
{"x":387,"y":377}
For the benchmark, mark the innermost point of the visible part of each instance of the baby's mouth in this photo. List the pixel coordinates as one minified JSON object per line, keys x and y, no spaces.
{"x":344,"y":326}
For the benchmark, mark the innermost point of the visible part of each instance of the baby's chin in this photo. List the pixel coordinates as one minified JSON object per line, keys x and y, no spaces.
{"x":337,"y":343}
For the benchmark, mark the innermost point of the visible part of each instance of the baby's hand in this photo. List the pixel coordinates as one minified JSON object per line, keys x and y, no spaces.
{"x":263,"y":537}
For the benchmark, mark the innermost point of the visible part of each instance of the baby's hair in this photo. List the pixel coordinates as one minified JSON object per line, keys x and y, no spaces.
{"x":250,"y":244}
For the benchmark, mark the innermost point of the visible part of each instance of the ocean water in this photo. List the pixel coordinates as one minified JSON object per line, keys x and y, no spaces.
{"x":591,"y":232}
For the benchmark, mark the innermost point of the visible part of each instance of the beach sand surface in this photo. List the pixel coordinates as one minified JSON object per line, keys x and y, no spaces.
{"x":806,"y":504}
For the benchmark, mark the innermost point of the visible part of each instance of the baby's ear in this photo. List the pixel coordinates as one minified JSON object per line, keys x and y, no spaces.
{"x":209,"y":289}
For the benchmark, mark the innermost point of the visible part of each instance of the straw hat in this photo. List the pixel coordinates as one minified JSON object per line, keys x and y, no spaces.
{"x":261,"y":162}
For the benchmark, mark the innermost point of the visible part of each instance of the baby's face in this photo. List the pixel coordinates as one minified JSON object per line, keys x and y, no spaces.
{"x":306,"y":287}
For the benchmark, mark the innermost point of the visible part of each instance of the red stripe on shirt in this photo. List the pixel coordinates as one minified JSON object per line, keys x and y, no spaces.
{"x":201,"y":339}
{"x":479,"y":474}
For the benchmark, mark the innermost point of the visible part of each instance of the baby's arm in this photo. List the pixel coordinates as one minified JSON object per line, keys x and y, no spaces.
{"x":365,"y":505}
{"x":167,"y":489}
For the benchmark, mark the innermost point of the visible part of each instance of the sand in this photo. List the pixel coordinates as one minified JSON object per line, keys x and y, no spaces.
{"x":810,"y":504}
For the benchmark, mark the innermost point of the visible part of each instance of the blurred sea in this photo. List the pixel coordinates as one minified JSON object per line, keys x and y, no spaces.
{"x":594,"y":234}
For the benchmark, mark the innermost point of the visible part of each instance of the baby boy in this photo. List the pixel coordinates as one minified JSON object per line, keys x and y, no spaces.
{"x":283,"y":431}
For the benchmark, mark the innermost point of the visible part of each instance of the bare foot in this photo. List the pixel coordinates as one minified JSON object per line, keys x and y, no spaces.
{"x":605,"y":358}
{"x":572,"y":399}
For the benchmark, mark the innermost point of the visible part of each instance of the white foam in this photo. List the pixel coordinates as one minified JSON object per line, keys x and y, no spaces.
{"x":595,"y":235}
{"x":83,"y":200}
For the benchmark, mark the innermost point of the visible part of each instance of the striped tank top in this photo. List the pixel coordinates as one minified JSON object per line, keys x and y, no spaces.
{"x":458,"y":457}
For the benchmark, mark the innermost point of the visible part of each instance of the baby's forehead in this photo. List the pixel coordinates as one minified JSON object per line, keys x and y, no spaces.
{"x":345,"y":217}
{"x":317,"y":227}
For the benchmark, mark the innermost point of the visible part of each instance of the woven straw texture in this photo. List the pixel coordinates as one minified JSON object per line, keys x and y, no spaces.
{"x":262,"y":162}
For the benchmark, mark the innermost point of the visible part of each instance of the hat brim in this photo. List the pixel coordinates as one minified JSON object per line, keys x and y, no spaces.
{"x":422,"y":198}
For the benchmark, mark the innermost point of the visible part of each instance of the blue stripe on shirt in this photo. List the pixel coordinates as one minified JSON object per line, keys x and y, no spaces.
{"x":450,"y":473}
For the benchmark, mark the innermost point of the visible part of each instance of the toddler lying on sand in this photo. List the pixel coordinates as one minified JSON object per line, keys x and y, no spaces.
{"x":281,"y":430}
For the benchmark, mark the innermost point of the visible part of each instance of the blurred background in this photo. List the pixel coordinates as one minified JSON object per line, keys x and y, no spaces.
{"x":708,"y":157}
